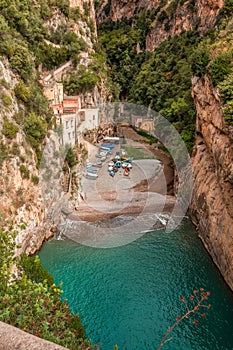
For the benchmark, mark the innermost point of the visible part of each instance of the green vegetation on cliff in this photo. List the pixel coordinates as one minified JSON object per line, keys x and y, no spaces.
{"x":31,"y":42}
{"x":161,"y":80}
{"x":32,"y":301}
{"x":214,"y":57}
{"x":28,"y":38}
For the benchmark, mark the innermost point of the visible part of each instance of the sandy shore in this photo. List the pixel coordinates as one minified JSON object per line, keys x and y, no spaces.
{"x":143,"y":191}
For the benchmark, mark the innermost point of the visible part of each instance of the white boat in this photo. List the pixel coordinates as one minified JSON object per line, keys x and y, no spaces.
{"x":91,"y":176}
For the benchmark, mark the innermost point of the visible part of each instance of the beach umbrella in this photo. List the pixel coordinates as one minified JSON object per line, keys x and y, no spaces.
{"x":124,"y":165}
{"x":111,"y":163}
{"x":129,"y":165}
{"x":117,"y":157}
{"x":110,"y":168}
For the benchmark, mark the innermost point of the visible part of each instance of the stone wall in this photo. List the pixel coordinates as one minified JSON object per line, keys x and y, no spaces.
{"x":12,"y":338}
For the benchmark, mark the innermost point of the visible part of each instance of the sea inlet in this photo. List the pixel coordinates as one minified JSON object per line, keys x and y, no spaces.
{"x":130,"y":295}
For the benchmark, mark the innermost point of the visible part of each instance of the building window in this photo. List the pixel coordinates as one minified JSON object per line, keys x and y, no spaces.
{"x":93,"y":117}
{"x":71,"y":123}
{"x":69,"y":135}
{"x":67,"y":124}
{"x":82,"y":116}
{"x":73,"y":134}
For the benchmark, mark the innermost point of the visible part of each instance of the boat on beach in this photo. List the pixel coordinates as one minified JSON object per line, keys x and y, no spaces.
{"x":91,"y":176}
{"x":92,"y":169}
{"x":97,"y":165}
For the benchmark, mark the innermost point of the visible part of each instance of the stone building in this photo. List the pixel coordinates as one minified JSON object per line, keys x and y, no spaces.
{"x":70,"y":112}
{"x":53,"y":92}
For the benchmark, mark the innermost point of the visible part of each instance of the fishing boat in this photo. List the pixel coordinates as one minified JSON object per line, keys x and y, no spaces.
{"x":107,"y":145}
{"x":92,"y":169}
{"x":91,"y":176}
{"x":107,"y":149}
{"x":97,"y":165}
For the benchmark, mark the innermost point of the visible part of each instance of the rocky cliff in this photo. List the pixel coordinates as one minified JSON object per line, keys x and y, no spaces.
{"x":21,"y":199}
{"x":85,"y":6}
{"x":176,"y":17}
{"x":212,"y":203}
{"x":167,"y":17}
{"x":20,"y":196}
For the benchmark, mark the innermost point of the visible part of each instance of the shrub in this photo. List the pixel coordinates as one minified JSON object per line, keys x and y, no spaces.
{"x":6,"y":99}
{"x":71,"y":158}
{"x":199,"y":61}
{"x":228,"y":112}
{"x":4,"y":83}
{"x":35,"y":128}
{"x":22,"y":92}
{"x":83,"y":80}
{"x":35,"y":179}
{"x":75,"y":13}
{"x":225,"y":11}
{"x":226,"y":89}
{"x":221,"y":67}
{"x":19,"y":117}
{"x":148,"y":136}
{"x":3,"y":153}
{"x":9,"y":130}
{"x":33,"y":303}
{"x":15,"y":149}
{"x":38,"y":103}
{"x":50,"y":56}
{"x":21,"y":62}
{"x":24,"y":172}
{"x":188,"y":138}
{"x":32,"y":267}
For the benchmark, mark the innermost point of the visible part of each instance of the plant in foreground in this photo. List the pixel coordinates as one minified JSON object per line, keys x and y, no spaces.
{"x":196,"y":306}
{"x":32,"y":302}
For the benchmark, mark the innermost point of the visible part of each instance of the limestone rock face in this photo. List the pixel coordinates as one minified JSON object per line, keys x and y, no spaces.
{"x":169,"y":19}
{"x":20,"y":198}
{"x":207,"y":12}
{"x":85,"y":4}
{"x":81,"y":4}
{"x":212,"y":203}
{"x":200,"y":17}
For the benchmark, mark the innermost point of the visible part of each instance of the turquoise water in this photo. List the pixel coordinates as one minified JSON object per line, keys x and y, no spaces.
{"x":130,"y":295}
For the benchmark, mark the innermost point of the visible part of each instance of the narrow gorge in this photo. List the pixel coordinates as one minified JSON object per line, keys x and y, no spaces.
{"x":62,"y":64}
{"x":212,"y":156}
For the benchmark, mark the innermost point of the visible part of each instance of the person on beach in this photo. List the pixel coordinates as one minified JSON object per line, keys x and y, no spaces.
{"x":126,"y":171}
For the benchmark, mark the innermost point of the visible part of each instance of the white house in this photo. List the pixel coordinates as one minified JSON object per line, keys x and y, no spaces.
{"x":69,"y":128}
{"x":88,"y":119}
{"x":75,"y":123}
